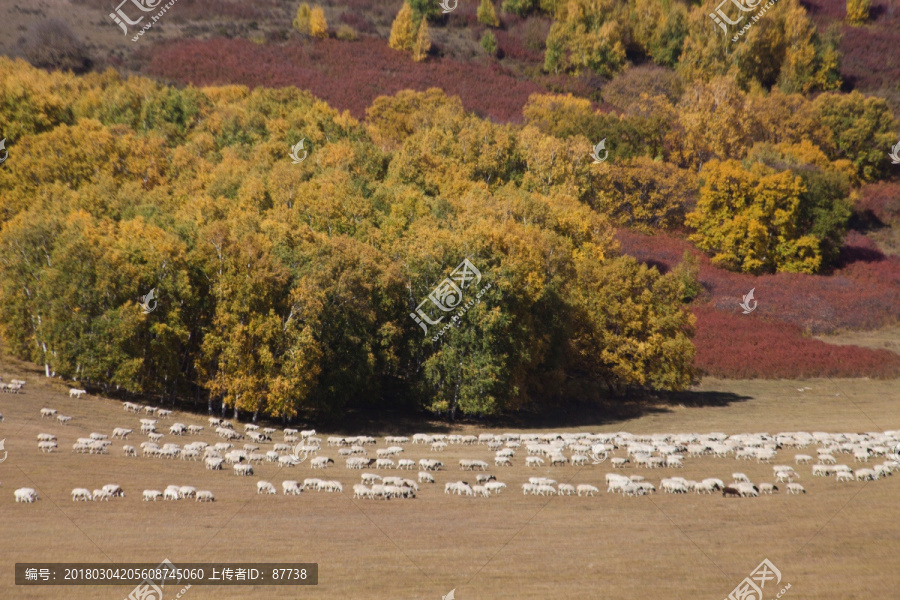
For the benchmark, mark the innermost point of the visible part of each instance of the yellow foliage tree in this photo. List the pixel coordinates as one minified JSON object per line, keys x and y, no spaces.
{"x":858,"y":11}
{"x":403,"y":30}
{"x":423,"y":42}
{"x":749,"y":220}
{"x":645,"y":194}
{"x":301,"y":21}
{"x":318,"y":26}
{"x":487,"y":15}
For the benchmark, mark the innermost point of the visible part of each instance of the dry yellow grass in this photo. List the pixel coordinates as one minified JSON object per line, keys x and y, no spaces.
{"x":837,"y":541}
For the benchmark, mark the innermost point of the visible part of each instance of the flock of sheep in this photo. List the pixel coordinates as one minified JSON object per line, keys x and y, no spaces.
{"x":657,"y":451}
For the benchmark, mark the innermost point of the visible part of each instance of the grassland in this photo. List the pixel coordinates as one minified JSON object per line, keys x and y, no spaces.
{"x":837,"y":541}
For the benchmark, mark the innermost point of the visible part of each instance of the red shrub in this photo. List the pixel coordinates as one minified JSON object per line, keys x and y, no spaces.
{"x":861,"y":294}
{"x":881,"y":200}
{"x":346,"y":75}
{"x":733,"y":345}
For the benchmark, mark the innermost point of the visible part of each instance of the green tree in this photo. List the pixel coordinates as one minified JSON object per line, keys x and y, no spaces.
{"x":489,"y":43}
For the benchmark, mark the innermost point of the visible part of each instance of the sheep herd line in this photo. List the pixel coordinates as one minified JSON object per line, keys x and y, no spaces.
{"x":584,"y":450}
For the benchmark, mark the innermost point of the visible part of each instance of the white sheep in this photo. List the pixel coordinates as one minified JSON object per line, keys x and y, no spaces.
{"x":26,"y":495}
{"x":425,"y":477}
{"x":46,"y":437}
{"x":153,"y":495}
{"x":205,"y":496}
{"x":171,"y":493}
{"x":290,"y":487}
{"x":587,"y":490}
{"x":76,"y":393}
{"x":214,"y":464}
{"x":495,"y":487}
{"x":265,"y":487}
{"x":767,"y":488}
{"x":114,"y":490}
{"x":480,"y":490}
{"x":795,"y":488}
{"x":567,"y":489}
{"x":82,"y":494}
{"x":63,"y":419}
{"x":320,"y":462}
{"x":243,"y":470}
{"x":740,"y":477}
{"x":844,"y":476}
{"x":47,"y":412}
{"x":361,"y":491}
{"x":533,"y":461}
{"x":370,"y":478}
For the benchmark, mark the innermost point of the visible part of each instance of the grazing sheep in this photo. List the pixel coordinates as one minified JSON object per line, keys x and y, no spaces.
{"x":101,"y":495}
{"x":46,"y":437}
{"x":290,"y":487}
{"x":731,"y":491}
{"x":63,"y":419}
{"x":153,"y":495}
{"x":567,"y":489}
{"x":821,"y":470}
{"x":802,"y":459}
{"x":370,"y":478}
{"x":243,"y":470}
{"x":26,"y":495}
{"x":76,"y":393}
{"x":47,"y":412}
{"x":205,"y":496}
{"x":214,"y":464}
{"x":438,"y":446}
{"x":114,"y":490}
{"x":425,"y":477}
{"x":171,"y":493}
{"x":795,"y":488}
{"x":502,"y":461}
{"x":844,"y":476}
{"x":495,"y":487}
{"x":405,"y":463}
{"x":480,"y":490}
{"x":866,"y":475}
{"x":361,"y":491}
{"x":320,"y":462}
{"x":740,"y":477}
{"x":265,"y":487}
{"x":47,"y":446}
{"x":82,"y":494}
{"x":533,"y":461}
{"x":484,"y":478}
{"x":384,"y":463}
{"x":618,"y":462}
{"x":767,"y":488}
{"x":121,"y":433}
{"x":587,"y":490}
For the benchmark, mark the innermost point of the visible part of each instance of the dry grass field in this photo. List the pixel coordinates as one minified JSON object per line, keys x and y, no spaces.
{"x":837,"y":541}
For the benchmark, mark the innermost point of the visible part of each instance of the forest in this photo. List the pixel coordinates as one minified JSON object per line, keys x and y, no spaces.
{"x":291,"y":288}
